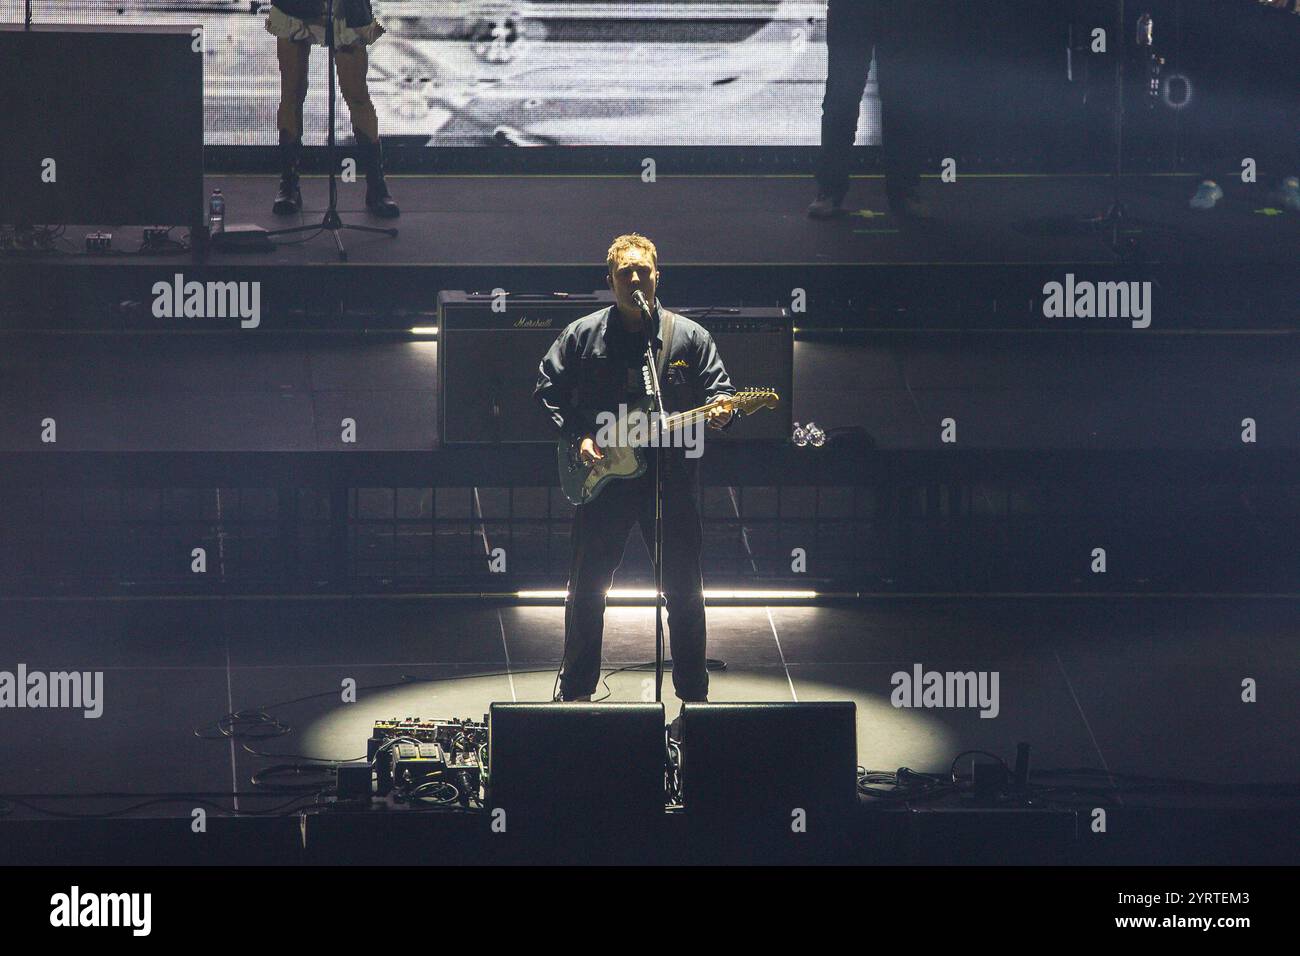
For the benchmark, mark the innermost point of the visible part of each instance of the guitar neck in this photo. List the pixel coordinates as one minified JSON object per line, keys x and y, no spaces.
{"x":682,"y":419}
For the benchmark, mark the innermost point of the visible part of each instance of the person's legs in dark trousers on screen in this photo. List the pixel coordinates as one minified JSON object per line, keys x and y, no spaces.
{"x":852,"y":29}
{"x":1225,"y":96}
{"x":907,"y":85}
{"x":600,"y":533}
{"x":894,"y":31}
{"x":1251,"y":109}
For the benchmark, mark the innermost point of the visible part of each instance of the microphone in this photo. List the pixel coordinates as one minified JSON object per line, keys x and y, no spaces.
{"x":639,"y":298}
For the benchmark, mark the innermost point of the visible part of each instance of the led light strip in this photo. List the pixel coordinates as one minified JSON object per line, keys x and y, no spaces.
{"x":647,"y":595}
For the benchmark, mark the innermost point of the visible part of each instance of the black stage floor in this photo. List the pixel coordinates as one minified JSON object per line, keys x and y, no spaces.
{"x":721,"y":220}
{"x":749,"y":220}
{"x":1144,"y":693}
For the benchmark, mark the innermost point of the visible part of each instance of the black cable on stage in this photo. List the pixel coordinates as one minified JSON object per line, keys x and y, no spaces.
{"x":297,"y":242}
{"x":1142,"y":779}
{"x":446,"y":799}
{"x":903,"y":785}
{"x":906,"y":786}
{"x":261,"y":712}
{"x":226,"y":726}
{"x":303,"y":757}
{"x":170,"y":798}
{"x":256,"y":723}
{"x":268,"y":777}
{"x":1122,"y":783}
{"x":134,"y":794}
{"x":710,"y":663}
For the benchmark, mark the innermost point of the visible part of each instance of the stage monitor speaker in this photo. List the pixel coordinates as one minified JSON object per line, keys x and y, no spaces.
{"x":598,"y":768}
{"x":759,"y":763}
{"x":101,"y":125}
{"x":487,"y":362}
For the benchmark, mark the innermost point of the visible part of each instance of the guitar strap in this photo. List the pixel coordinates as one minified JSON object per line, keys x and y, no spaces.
{"x":665,"y":336}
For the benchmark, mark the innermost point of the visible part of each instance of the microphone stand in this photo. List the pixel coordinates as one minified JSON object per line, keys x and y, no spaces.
{"x":1116,"y":218}
{"x":1116,"y":215}
{"x":657,"y":400}
{"x":332,"y":222}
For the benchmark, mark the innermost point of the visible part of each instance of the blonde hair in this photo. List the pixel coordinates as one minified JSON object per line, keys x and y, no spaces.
{"x":630,"y":241}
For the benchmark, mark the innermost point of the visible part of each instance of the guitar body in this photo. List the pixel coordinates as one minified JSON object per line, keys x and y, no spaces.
{"x":582,"y":482}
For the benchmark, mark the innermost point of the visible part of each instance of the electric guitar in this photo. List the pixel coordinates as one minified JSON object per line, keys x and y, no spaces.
{"x":635,"y":430}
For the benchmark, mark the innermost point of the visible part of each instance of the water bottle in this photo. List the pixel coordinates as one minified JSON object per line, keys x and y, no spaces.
{"x":216,"y":213}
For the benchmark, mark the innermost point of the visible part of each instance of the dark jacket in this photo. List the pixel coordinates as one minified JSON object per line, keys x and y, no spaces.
{"x":356,"y":13}
{"x":587,"y":371}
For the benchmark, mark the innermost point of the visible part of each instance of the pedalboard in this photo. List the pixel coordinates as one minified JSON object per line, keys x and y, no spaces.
{"x":411,"y":753}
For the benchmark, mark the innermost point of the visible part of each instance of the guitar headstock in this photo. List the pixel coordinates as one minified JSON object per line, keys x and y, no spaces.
{"x":751,"y":400}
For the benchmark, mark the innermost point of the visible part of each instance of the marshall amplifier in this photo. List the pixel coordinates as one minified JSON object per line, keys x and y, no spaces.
{"x":488,"y":358}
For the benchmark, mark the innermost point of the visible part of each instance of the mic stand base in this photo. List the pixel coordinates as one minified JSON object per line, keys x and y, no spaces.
{"x":334,"y":225}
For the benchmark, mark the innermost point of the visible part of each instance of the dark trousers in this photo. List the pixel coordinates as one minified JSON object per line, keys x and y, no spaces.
{"x":1246,"y":62}
{"x":600,"y":531}
{"x":896,"y":31}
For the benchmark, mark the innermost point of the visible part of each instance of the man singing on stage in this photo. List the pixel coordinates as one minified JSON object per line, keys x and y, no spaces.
{"x":595,"y":366}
